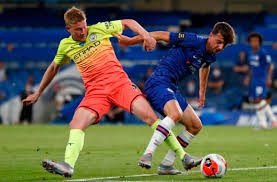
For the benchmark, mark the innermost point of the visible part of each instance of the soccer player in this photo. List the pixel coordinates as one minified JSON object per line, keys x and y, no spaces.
{"x":260,"y":77}
{"x":188,"y":54}
{"x":104,"y":79}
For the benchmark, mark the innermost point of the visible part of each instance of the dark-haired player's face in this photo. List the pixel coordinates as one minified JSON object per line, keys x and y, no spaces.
{"x":78,"y":31}
{"x":254,"y":42}
{"x":215,"y":43}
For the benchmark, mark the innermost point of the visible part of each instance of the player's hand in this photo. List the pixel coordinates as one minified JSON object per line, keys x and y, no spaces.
{"x":201,"y":102}
{"x":122,"y":39}
{"x":149,"y":43}
{"x":30,"y":99}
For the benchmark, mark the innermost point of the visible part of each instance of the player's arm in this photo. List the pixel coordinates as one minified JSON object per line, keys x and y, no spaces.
{"x":158,"y":35}
{"x":241,"y":69}
{"x":269,"y":75}
{"x":48,"y":76}
{"x":247,"y":77}
{"x":203,"y":80}
{"x":149,"y":43}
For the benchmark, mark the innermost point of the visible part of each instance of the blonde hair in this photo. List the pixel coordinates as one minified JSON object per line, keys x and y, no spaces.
{"x":74,"y":15}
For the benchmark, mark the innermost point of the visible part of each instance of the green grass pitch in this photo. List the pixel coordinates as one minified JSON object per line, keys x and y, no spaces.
{"x":111,"y":150}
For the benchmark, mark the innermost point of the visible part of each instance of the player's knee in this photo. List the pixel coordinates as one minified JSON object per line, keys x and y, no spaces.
{"x":82,"y":123}
{"x":150,"y":118}
{"x":196,"y":127}
{"x":175,"y":116}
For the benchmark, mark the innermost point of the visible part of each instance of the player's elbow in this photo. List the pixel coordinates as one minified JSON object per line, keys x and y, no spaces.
{"x":127,"y":23}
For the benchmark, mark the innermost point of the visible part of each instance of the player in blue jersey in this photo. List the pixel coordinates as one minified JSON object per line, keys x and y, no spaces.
{"x":189,"y":53}
{"x":260,"y":77}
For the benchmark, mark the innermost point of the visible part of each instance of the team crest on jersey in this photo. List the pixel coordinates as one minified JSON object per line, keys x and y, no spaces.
{"x":92,"y":37}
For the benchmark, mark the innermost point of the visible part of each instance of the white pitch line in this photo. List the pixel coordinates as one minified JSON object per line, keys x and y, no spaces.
{"x":113,"y":177}
{"x":148,"y":175}
{"x":252,"y":168}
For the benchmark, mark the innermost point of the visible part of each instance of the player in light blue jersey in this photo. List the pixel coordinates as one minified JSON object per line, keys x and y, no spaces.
{"x":260,"y":77}
{"x":189,"y":53}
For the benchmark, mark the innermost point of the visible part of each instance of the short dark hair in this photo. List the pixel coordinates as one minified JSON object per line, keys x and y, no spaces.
{"x":226,"y":30}
{"x":255,"y":34}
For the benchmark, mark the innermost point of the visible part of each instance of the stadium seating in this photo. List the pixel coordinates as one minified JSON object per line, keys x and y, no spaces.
{"x":32,"y":36}
{"x":269,"y":34}
{"x":35,"y":42}
{"x":271,"y":20}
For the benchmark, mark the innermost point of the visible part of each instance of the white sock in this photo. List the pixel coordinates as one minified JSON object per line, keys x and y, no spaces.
{"x":160,"y":134}
{"x":184,"y":139}
{"x":261,"y":114}
{"x":169,"y":158}
{"x":270,"y":114}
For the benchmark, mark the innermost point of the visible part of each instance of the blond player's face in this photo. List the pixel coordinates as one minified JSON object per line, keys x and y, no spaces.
{"x":215,"y":43}
{"x":78,"y":31}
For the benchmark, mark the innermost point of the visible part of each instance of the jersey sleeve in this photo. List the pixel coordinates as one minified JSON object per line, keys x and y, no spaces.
{"x":61,"y":57}
{"x":209,"y":60}
{"x":183,"y":39}
{"x":268,"y":59}
{"x":109,"y":27}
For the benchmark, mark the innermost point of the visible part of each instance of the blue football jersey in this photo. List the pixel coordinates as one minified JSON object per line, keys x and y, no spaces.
{"x":259,"y":62}
{"x":187,"y":55}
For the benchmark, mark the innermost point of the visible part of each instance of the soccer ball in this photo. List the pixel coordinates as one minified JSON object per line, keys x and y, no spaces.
{"x":213,"y":166}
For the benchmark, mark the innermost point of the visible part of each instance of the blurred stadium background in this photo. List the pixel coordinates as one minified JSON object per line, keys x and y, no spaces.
{"x":30,"y":32}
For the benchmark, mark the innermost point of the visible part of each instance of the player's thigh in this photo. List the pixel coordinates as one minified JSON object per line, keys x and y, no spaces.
{"x":191,"y":120}
{"x":90,"y":110}
{"x":130,"y":98}
{"x":258,"y":91}
{"x":163,"y":100}
{"x":142,"y":109}
{"x":174,"y":108}
{"x":83,"y":118}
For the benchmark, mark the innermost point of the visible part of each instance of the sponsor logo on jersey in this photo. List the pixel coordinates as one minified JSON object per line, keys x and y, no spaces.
{"x":254,"y":57}
{"x":254,"y":63}
{"x":86,"y":52}
{"x":108,"y":25}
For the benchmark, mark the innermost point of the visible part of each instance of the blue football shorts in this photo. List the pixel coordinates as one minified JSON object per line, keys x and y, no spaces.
{"x":159,"y":93}
{"x":258,"y":90}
